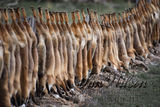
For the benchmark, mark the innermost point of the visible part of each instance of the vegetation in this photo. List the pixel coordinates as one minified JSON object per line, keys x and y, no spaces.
{"x":148,"y":96}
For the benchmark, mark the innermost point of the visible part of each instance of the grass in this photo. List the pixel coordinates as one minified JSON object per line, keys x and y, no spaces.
{"x":132,"y":97}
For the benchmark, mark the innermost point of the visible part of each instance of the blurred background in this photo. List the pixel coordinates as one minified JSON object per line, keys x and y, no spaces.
{"x":101,"y":6}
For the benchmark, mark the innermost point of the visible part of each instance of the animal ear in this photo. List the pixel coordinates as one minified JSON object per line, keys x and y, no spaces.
{"x":61,"y":17}
{"x":50,"y":13}
{"x":78,"y":15}
{"x":47,"y":14}
{"x":16,"y":10}
{"x":83,"y":14}
{"x":109,"y":16}
{"x":123,"y":14}
{"x":24,"y":13}
{"x":34,"y":12}
{"x":4,"y":14}
{"x":12,"y":14}
{"x":106,"y":18}
{"x":66,"y":17}
{"x":40,"y":13}
{"x":102,"y":19}
{"x":119,"y":17}
{"x":73,"y":17}
{"x":88,"y":11}
{"x":92,"y":14}
{"x":52,"y":16}
{"x":115,"y":17}
{"x":57,"y":17}
{"x":40,"y":10}
{"x":96,"y":15}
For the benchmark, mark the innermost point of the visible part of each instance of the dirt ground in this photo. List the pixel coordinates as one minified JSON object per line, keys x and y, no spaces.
{"x":138,"y":88}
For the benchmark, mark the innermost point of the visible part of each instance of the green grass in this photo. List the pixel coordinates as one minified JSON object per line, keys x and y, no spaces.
{"x":132,"y":97}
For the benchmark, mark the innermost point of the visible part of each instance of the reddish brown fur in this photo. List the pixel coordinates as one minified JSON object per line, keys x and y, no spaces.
{"x":33,"y":53}
{"x":78,"y":35}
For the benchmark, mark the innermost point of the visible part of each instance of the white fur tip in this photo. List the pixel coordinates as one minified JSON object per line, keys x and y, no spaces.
{"x":50,"y":86}
{"x":114,"y":67}
{"x":23,"y":105}
{"x":156,"y":15}
{"x":72,"y":89}
{"x":104,"y":66}
{"x":83,"y":43}
{"x":56,"y":96}
{"x":22,"y":45}
{"x":94,"y":40}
